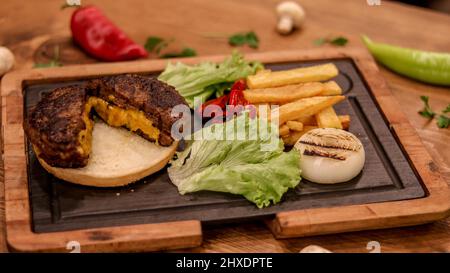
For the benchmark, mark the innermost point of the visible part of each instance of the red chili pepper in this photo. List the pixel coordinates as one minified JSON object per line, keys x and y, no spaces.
{"x":237,"y":94}
{"x":239,"y":85}
{"x":96,"y":34}
{"x":221,"y":102}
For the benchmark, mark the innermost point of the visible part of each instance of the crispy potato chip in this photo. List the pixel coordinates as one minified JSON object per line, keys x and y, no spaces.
{"x":293,"y":76}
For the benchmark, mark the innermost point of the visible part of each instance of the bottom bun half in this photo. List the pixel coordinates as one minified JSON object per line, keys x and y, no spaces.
{"x":118,"y":158}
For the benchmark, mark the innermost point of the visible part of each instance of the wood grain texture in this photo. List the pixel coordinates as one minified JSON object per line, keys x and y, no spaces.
{"x":169,"y":235}
{"x":24,"y":31}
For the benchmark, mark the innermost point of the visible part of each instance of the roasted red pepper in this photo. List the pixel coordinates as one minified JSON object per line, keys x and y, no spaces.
{"x":231,"y":104}
{"x":221,"y":102}
{"x":96,"y":34}
{"x":237,"y":94}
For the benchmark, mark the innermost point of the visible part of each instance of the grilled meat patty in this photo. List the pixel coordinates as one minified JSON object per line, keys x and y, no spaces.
{"x":55,"y":124}
{"x":149,"y":96}
{"x":60,"y":126}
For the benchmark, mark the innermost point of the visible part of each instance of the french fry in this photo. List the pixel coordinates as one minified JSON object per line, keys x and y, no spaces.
{"x":331,"y":88}
{"x":294,"y":125}
{"x":288,"y":141}
{"x":345,"y":121}
{"x":284,"y":130}
{"x":288,"y":93}
{"x":307,"y":120}
{"x":304,"y":107}
{"x":294,"y":136}
{"x":311,"y":120}
{"x":263,"y":107}
{"x":263,"y":71}
{"x":293,"y":76}
{"x":327,"y":118}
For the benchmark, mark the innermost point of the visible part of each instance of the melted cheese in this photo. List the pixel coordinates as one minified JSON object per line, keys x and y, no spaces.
{"x":85,"y":136}
{"x":117,"y":117}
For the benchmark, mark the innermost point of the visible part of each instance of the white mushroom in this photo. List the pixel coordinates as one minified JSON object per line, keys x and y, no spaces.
{"x":6,"y":60}
{"x":290,"y":15}
{"x":314,"y":249}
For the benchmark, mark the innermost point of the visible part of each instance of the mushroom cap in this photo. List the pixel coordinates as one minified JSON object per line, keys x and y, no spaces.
{"x":6,"y":60}
{"x":292,"y":9}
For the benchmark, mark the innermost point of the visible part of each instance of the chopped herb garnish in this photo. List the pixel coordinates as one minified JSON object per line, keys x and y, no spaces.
{"x":186,"y":52}
{"x":442,"y":121}
{"x":250,"y":38}
{"x":446,"y":110}
{"x":320,"y":41}
{"x":337,"y":41}
{"x":156,"y":44}
{"x":53,"y":63}
{"x":426,"y":111}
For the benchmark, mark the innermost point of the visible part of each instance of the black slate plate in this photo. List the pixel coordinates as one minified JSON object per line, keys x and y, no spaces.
{"x":387,"y":176}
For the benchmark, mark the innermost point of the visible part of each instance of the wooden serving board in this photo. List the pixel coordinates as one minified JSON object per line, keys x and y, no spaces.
{"x":399,"y":185}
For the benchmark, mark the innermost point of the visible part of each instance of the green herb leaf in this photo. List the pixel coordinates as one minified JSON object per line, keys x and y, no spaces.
{"x":339,"y":41}
{"x":49,"y":64}
{"x":446,"y":110}
{"x":237,"y":40}
{"x":426,"y":111}
{"x":156,"y":44}
{"x":443,"y":121}
{"x":152,"y":42}
{"x":250,"y":38}
{"x":53,"y":63}
{"x":186,"y":52}
{"x":320,"y":41}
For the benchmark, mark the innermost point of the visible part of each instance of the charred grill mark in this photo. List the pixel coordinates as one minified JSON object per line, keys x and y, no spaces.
{"x":328,"y":146}
{"x":315,"y":152}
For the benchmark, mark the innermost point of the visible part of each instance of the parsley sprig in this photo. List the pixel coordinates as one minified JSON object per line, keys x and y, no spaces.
{"x":250,"y":38}
{"x":443,"y":121}
{"x":337,"y":41}
{"x":156,"y":44}
{"x":54,"y":61}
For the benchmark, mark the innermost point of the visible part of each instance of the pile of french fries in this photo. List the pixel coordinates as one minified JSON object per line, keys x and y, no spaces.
{"x":305,"y":97}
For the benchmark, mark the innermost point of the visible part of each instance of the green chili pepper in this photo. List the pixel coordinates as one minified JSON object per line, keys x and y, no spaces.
{"x":429,"y":67}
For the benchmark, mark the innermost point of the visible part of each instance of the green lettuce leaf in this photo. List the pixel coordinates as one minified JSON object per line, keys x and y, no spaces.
{"x":249,"y":167}
{"x":193,"y":80}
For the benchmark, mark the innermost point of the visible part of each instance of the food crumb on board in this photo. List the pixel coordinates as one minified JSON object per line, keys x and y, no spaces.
{"x":118,"y":194}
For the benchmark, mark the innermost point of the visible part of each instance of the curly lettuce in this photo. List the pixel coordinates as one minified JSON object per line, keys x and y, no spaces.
{"x":205,"y":79}
{"x":255,"y":167}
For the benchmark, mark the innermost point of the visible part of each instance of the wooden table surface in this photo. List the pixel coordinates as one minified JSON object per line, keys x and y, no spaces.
{"x":30,"y":28}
